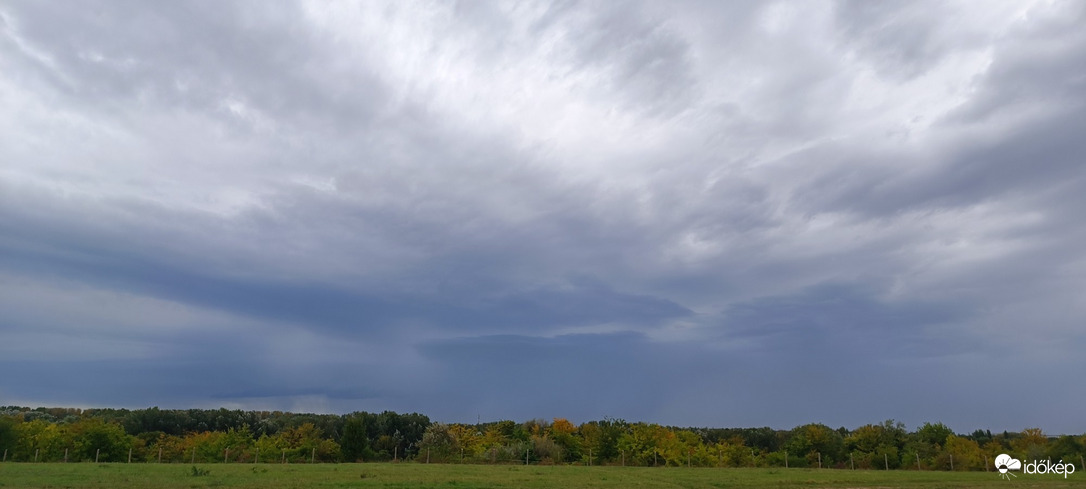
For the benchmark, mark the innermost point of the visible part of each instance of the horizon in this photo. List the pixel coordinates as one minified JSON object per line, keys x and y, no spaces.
{"x":482,"y":421}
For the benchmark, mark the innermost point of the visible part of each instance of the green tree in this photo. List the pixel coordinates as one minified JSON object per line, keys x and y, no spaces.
{"x":39,"y":439}
{"x":399,"y":434}
{"x":934,"y":434}
{"x":438,"y":443}
{"x":876,"y":446}
{"x":94,"y":438}
{"x":865,"y":439}
{"x":355,"y":442}
{"x":304,"y":442}
{"x":735,"y":453}
{"x":816,"y":440}
{"x":961,"y":454}
{"x":885,"y":457}
{"x":173,"y":448}
{"x":1068,"y":449}
{"x":564,"y":434}
{"x":237,"y":444}
{"x":8,"y":434}
{"x":470,"y":440}
{"x":648,"y":444}
{"x":1032,"y":444}
{"x":602,"y":437}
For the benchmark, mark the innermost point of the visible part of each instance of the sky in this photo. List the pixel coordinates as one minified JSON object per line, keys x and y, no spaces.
{"x":726,"y":214}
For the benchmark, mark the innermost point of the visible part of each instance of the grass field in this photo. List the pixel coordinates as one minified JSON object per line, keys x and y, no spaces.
{"x":89,"y":475}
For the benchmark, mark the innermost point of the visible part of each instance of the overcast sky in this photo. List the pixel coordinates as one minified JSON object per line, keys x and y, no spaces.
{"x":711,"y":213}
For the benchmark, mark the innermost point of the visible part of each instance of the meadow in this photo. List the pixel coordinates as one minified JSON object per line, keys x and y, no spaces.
{"x":416,"y":475}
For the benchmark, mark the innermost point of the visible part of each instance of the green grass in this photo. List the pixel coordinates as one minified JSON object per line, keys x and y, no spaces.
{"x":411,"y":475}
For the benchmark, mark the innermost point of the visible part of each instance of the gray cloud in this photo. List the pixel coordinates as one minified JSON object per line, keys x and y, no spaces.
{"x":900,"y":39}
{"x":695,"y":214}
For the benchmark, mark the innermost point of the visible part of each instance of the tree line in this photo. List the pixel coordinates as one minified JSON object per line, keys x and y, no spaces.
{"x":209,"y":436}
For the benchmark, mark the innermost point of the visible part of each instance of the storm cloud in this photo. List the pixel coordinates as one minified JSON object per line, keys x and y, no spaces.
{"x":735,"y":214}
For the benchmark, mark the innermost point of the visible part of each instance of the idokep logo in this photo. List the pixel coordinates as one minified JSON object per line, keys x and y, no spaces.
{"x":1005,"y":463}
{"x":1047,"y":467}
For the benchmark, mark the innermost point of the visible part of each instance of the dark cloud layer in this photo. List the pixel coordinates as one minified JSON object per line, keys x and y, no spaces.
{"x":707,"y":214}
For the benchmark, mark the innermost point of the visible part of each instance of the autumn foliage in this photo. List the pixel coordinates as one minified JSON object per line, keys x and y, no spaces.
{"x":225,"y":436}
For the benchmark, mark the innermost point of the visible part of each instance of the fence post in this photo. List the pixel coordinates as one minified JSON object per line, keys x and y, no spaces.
{"x":786,"y":459}
{"x":65,"y":455}
{"x":159,"y":454}
{"x":313,"y":456}
{"x":951,"y":462}
{"x":851,"y":462}
{"x":886,"y":461}
{"x":225,"y":455}
{"x":5,"y":455}
{"x":284,"y":456}
{"x":96,"y":454}
{"x":820,"y":460}
{"x":917,"y":461}
{"x":36,"y":450}
{"x":129,"y":455}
